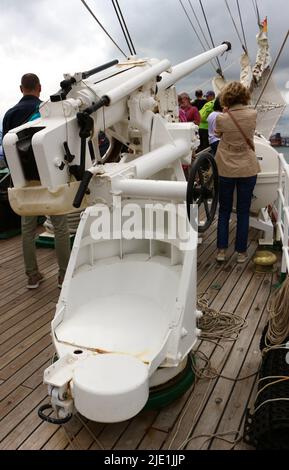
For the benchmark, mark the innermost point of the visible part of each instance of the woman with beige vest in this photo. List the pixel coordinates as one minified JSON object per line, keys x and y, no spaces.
{"x":237,"y":165}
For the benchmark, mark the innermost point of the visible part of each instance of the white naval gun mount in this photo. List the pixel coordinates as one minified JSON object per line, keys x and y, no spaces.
{"x":126,"y":317}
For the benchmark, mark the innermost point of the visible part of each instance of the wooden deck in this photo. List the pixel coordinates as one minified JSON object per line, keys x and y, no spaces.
{"x":211,"y":408}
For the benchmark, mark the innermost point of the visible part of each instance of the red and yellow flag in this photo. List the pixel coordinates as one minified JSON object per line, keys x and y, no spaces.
{"x":265,"y":25}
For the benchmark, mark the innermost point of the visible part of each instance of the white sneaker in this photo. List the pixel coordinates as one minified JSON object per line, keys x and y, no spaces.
{"x":221,"y":255}
{"x":242,"y":257}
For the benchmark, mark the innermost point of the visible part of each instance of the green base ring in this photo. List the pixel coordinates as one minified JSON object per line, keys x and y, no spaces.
{"x":165,"y":394}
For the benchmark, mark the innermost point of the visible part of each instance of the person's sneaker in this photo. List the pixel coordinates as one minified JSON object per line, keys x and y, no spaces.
{"x":34,"y":280}
{"x":242,"y":257}
{"x":60,"y":281}
{"x":221,"y":255}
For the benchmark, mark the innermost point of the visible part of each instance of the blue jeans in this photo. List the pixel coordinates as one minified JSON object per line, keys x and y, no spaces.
{"x":214,"y":147}
{"x":245,"y":187}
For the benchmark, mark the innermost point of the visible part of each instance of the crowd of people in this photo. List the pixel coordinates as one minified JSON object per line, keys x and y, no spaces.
{"x":226,"y":127}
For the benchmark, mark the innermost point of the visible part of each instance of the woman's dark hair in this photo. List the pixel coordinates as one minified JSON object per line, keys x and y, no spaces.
{"x":235,"y":93}
{"x":217,"y":105}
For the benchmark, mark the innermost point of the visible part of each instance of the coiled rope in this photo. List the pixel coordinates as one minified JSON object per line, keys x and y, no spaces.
{"x":278,"y":328}
{"x":216,"y":325}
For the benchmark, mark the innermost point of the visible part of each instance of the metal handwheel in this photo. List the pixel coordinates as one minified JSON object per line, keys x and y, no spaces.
{"x":202,"y":189}
{"x":112,"y":153}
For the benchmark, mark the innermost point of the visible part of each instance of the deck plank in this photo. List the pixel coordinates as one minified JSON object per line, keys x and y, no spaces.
{"x":110,"y":435}
{"x":25,"y":318}
{"x":204,"y":388}
{"x":13,"y":399}
{"x":153,"y":440}
{"x":84,"y":439}
{"x":222,"y":390}
{"x":19,"y":377}
{"x":26,"y":356}
{"x":36,"y":378}
{"x":168,"y":415}
{"x":17,"y":416}
{"x":39,"y":437}
{"x":244,"y":391}
{"x":22,"y":335}
{"x":136,"y":430}
{"x":59,"y":440}
{"x":25,"y":344}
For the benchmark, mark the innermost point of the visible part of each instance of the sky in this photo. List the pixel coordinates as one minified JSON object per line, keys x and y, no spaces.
{"x":51,"y":37}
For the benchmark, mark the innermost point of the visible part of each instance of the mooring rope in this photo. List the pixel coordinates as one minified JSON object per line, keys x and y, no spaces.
{"x":216,"y":325}
{"x":278,"y":327}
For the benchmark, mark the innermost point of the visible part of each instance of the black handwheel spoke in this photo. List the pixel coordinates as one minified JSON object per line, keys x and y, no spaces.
{"x":201,"y":178}
{"x":208,"y":214}
{"x":210,"y":180}
{"x":203,"y":187}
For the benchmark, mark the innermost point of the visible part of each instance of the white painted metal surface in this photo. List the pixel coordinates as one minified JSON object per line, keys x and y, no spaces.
{"x":181,"y":70}
{"x":110,"y":387}
{"x":175,"y":190}
{"x":283,"y":212}
{"x":134,"y":298}
{"x":267,"y":180}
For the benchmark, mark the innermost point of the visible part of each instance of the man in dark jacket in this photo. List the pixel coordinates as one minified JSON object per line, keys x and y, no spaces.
{"x":26,"y":110}
{"x":27,"y":106}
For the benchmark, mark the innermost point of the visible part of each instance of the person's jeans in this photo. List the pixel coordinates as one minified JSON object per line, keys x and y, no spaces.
{"x":62,"y":242}
{"x":204,"y":139}
{"x":245,"y":187}
{"x":214,"y":147}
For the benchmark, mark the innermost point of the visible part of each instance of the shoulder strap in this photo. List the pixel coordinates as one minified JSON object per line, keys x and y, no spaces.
{"x":248,"y":141}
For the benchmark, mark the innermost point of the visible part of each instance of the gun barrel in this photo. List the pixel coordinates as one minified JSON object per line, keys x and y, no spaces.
{"x":126,"y":88}
{"x":185,"y":68}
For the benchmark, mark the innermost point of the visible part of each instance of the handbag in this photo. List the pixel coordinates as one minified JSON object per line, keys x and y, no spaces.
{"x":248,"y":141}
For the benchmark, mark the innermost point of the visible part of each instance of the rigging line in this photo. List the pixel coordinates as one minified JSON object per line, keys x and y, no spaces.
{"x":122,"y":27}
{"x":272,"y":70}
{"x":196,"y":32}
{"x":255,"y":11}
{"x":258,"y":13}
{"x":209,"y":31}
{"x":242,"y":26}
{"x":200,"y":26}
{"x":209,"y":80}
{"x":235,"y":26}
{"x":201,"y":29}
{"x":102,"y":27}
{"x":127,"y":31}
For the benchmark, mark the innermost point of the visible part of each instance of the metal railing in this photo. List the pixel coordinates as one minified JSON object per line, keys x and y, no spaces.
{"x":283,"y":211}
